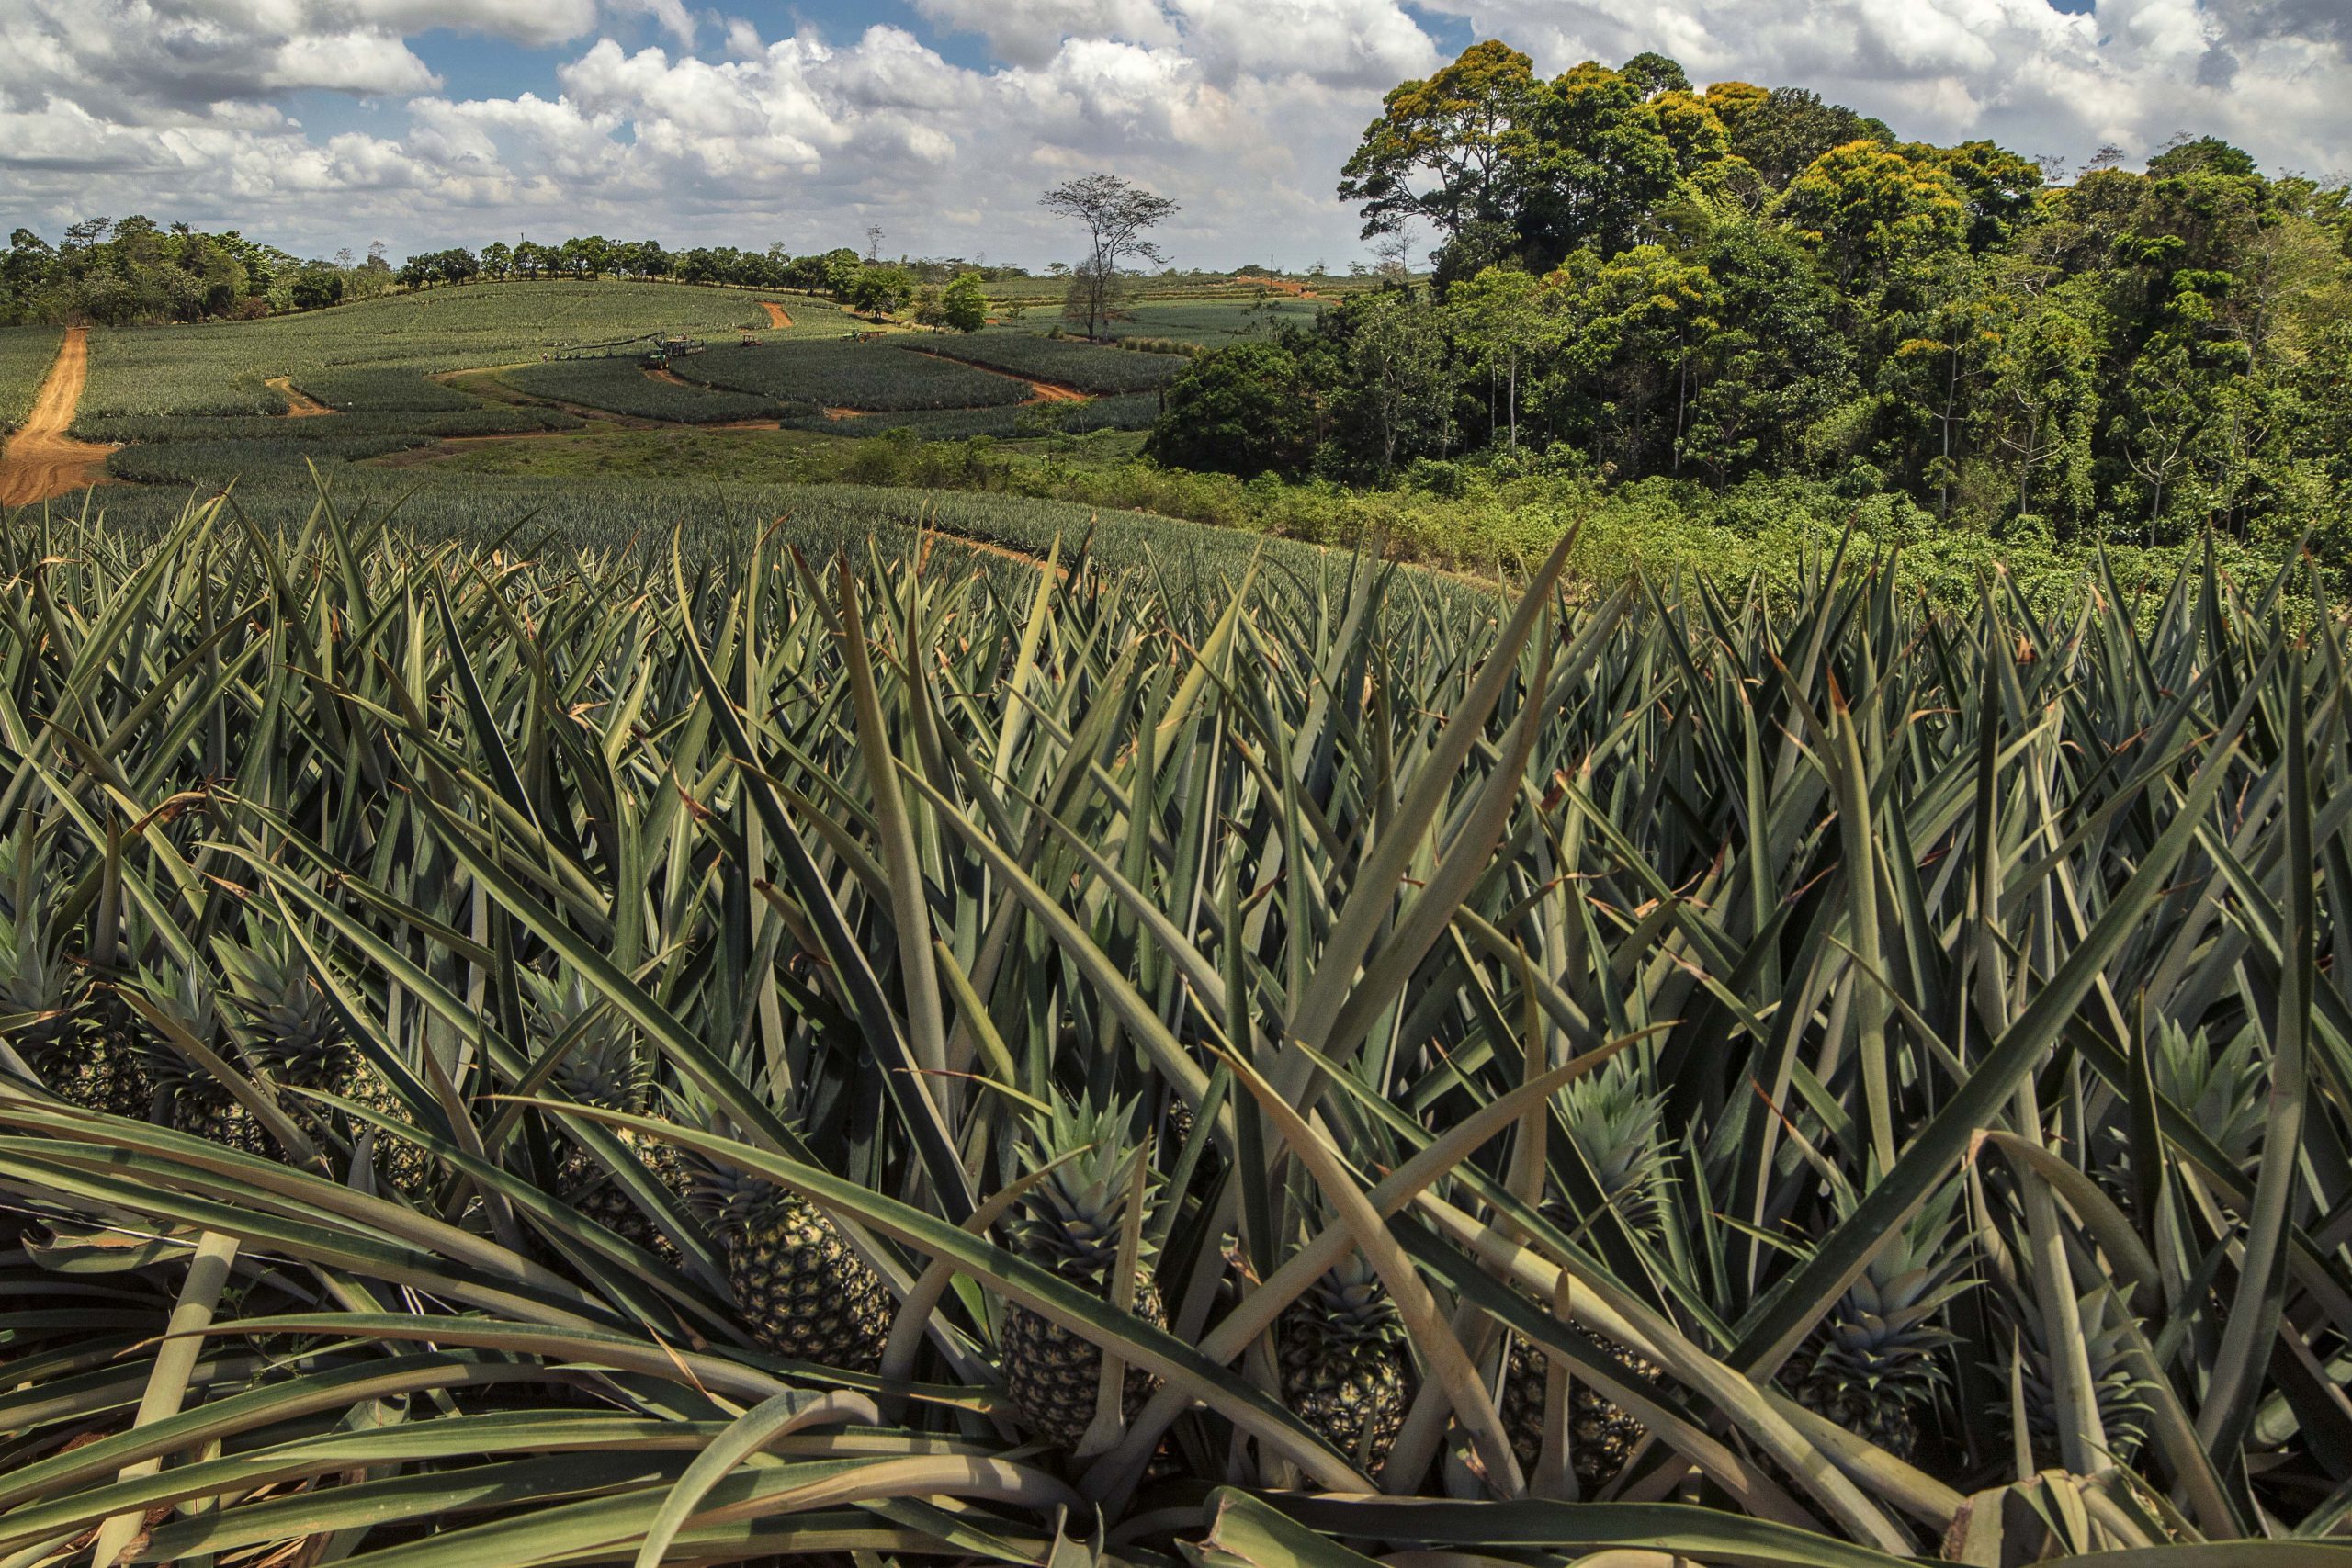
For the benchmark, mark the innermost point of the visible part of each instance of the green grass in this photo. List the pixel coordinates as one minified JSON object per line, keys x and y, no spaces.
{"x":1135,"y":410}
{"x":868,"y":376}
{"x":619,"y":385}
{"x":1085,"y":367}
{"x":25,"y":354}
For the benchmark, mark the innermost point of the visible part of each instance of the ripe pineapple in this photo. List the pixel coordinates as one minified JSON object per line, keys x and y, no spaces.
{"x":1072,"y":1223}
{"x":1872,"y":1370}
{"x":1344,"y":1368}
{"x":602,"y":1068}
{"x":1603,"y":1433}
{"x":287,"y":1032}
{"x":1614,"y":1126}
{"x":74,"y":1037}
{"x":802,"y":1290}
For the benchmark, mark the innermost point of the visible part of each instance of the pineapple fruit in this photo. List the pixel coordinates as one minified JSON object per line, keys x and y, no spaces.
{"x":75,"y":1037}
{"x":1344,"y":1363}
{"x":286,"y":1031}
{"x":1613,"y":1122}
{"x":602,"y":1068}
{"x":1872,"y":1368}
{"x":800,"y":1288}
{"x":1072,"y":1223}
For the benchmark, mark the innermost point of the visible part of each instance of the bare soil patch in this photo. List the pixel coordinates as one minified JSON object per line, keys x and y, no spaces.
{"x":299,"y":404}
{"x":776,"y":317}
{"x":985,"y":547}
{"x":40,"y":461}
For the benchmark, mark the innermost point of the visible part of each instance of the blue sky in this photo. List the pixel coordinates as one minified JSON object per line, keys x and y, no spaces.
{"x":323,"y":123}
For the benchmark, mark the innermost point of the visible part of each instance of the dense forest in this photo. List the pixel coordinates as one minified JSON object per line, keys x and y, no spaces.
{"x":1635,"y":280}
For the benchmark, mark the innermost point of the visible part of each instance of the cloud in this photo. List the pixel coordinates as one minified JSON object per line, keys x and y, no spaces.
{"x":664,"y":117}
{"x":2266,"y":74}
{"x":1031,"y":32}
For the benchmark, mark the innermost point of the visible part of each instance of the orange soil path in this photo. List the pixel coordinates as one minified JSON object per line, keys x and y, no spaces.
{"x":776,"y":318}
{"x":299,"y":404}
{"x":40,"y":461}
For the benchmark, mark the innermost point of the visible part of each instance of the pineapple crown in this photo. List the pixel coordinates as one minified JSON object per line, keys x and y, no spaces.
{"x":1614,"y":1126}
{"x":2221,"y":1090}
{"x":1072,"y":1221}
{"x":2105,"y":1331}
{"x":287,"y":1022}
{"x":30,"y":981}
{"x":185,"y":995}
{"x":43,"y":993}
{"x":602,"y":1065}
{"x":1883,"y":1330}
{"x":1347,"y":1305}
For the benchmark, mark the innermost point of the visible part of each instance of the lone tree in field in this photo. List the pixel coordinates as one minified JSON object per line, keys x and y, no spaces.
{"x":1116,"y":214}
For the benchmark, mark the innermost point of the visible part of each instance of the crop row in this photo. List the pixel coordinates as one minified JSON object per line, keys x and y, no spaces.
{"x":25,"y":356}
{"x":1087,"y":367}
{"x":219,"y":368}
{"x":850,"y":375}
{"x":622,"y":385}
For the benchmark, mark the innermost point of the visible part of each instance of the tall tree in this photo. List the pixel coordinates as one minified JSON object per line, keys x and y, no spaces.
{"x":1439,"y":153}
{"x":1118,"y":216}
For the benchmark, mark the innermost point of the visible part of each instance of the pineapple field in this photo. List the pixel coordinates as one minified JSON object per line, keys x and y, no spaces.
{"x":865,"y":1030}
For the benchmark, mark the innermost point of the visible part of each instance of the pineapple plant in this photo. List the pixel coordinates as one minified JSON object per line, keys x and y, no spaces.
{"x":1344,"y":1367}
{"x":802,"y":1290}
{"x":1073,"y":1223}
{"x":1613,"y":1122}
{"x":1872,"y":1365}
{"x":73,"y":1035}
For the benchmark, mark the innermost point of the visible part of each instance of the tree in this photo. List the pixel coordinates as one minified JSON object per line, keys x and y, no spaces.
{"x":963,"y":306}
{"x":1595,"y":161}
{"x":1784,"y":132}
{"x":1873,"y":213}
{"x":1250,"y":409}
{"x":1439,"y":153}
{"x":881,"y":290}
{"x":1398,"y":388}
{"x":1502,"y":317}
{"x":1652,"y":74}
{"x":1117,"y":215}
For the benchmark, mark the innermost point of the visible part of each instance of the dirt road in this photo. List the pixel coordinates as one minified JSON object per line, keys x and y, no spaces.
{"x":776,"y":318}
{"x":40,"y":461}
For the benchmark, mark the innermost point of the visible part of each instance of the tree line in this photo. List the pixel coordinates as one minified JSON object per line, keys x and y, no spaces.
{"x":116,"y":272}
{"x":1633,"y":279}
{"x":122,"y":272}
